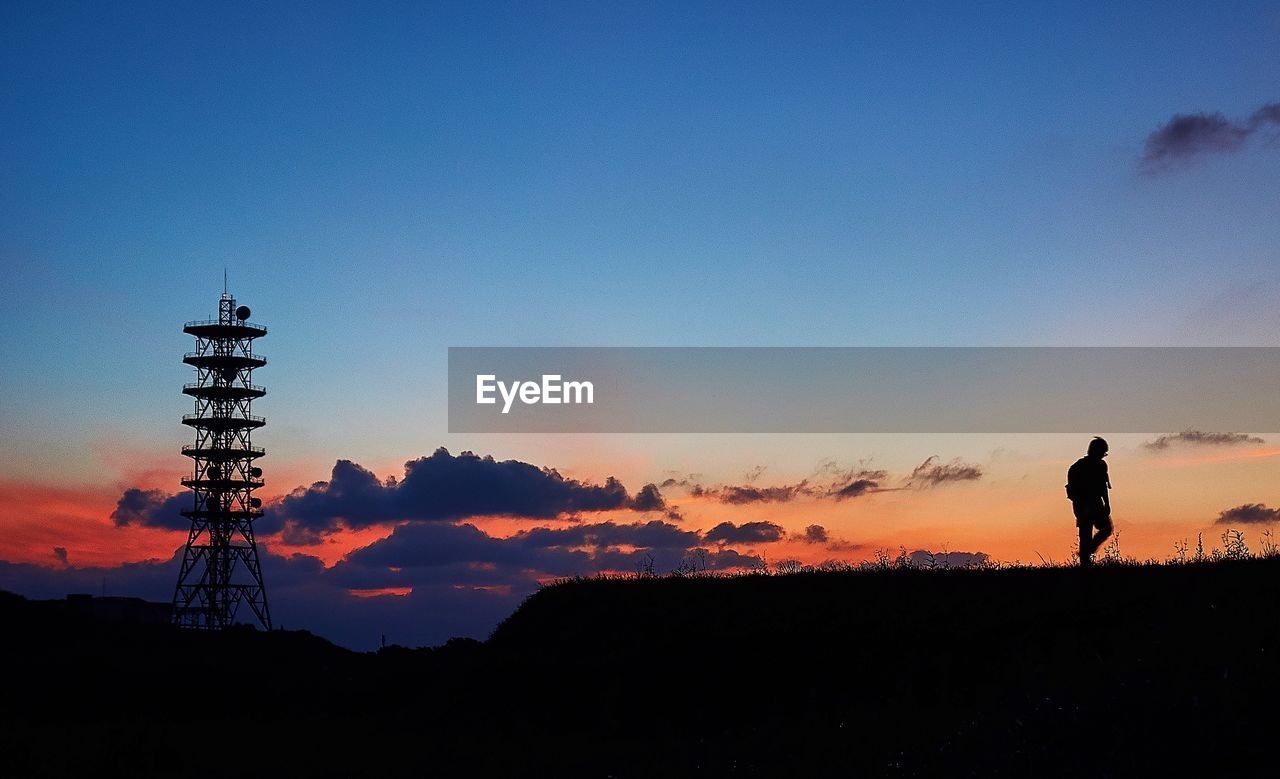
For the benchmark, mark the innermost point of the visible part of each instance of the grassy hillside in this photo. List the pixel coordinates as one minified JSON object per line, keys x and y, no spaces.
{"x":1112,"y":672}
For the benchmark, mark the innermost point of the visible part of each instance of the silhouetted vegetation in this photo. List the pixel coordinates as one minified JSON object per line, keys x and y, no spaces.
{"x":900,"y":666}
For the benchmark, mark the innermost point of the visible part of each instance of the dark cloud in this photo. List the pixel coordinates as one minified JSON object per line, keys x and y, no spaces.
{"x":441,"y":553}
{"x":815,"y":534}
{"x":445,"y":488}
{"x":1266,"y":121}
{"x":1249,"y":514}
{"x":60,"y":552}
{"x":1187,"y":136}
{"x":732,"y":559}
{"x":438,"y":552}
{"x":436,"y":488}
{"x":931,"y":473}
{"x":746,"y":533}
{"x":855,"y":489}
{"x":152,"y":508}
{"x":152,"y":579}
{"x":744,"y":494}
{"x":819,"y":536}
{"x":1200,"y":437}
{"x":686,"y":482}
{"x":294,"y":534}
{"x":1268,"y":114}
{"x":648,"y":498}
{"x":837,"y":484}
{"x":654,"y":534}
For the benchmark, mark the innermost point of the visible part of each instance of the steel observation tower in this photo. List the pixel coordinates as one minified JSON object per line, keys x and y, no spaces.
{"x":220,"y":568}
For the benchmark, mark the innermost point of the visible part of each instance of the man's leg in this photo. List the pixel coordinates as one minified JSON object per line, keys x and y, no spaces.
{"x":1086,"y":545}
{"x":1103,"y":523}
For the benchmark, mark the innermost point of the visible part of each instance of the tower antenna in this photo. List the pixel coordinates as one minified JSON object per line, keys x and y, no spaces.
{"x":220,"y":567}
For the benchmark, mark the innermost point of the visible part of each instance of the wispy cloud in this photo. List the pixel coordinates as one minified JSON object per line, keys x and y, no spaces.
{"x":1187,"y":136}
{"x":931,"y":473}
{"x":838,"y":486}
{"x":743,"y":494}
{"x":830,"y":482}
{"x":1201,"y":438}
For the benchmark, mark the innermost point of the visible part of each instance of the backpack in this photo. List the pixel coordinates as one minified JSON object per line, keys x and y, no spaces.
{"x":1073,"y":479}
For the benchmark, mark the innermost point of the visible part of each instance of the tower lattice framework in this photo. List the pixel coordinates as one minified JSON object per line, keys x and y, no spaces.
{"x":220,"y":567}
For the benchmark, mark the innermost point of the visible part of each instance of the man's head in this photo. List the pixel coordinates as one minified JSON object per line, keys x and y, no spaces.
{"x":1098,"y":447}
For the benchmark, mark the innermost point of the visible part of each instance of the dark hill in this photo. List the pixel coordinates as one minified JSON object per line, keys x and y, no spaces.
{"x":1118,"y":671}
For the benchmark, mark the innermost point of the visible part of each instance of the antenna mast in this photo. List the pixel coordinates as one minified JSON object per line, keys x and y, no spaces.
{"x":220,"y":568}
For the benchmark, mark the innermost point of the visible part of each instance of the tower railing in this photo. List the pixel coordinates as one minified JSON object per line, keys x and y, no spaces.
{"x":217,"y":321}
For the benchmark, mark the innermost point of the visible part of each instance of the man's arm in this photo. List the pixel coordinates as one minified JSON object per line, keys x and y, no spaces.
{"x":1106,"y":488}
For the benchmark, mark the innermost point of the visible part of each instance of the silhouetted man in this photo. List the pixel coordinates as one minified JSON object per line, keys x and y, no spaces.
{"x":1087,"y":485}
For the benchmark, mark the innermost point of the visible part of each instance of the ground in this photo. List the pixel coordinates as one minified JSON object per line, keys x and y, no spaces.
{"x":1115,"y":671}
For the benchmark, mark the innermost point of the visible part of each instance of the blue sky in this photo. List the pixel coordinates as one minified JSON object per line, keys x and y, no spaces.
{"x":383,"y":181}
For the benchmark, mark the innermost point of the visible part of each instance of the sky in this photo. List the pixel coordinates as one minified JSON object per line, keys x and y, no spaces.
{"x":382,"y":181}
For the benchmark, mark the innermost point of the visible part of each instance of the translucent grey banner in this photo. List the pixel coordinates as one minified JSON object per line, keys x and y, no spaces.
{"x":863,"y":389}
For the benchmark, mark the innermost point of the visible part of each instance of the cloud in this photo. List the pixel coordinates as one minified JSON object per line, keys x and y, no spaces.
{"x":855,"y":489}
{"x":294,"y":534}
{"x":152,"y":579}
{"x":740,"y":495}
{"x":1249,"y":514}
{"x":1266,"y":120}
{"x":746,"y":533}
{"x":436,"y":488}
{"x":652,"y":534}
{"x":837,"y":485}
{"x":152,"y":508}
{"x":447,"y":488}
{"x":815,"y":534}
{"x":60,"y":552}
{"x":931,"y":473}
{"x":438,"y":553}
{"x":851,"y":483}
{"x":1200,"y":437}
{"x":648,"y":498}
{"x":1187,"y":136}
{"x":731,"y":559}
{"x":818,"y":535}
